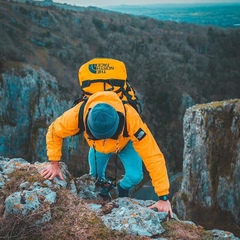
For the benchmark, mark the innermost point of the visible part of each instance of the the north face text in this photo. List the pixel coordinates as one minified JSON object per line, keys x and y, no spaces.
{"x":100,"y":68}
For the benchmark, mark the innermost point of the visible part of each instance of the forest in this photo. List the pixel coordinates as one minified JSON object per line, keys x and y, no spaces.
{"x":171,"y":65}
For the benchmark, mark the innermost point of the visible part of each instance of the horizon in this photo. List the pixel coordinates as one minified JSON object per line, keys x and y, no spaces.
{"x":97,"y":3}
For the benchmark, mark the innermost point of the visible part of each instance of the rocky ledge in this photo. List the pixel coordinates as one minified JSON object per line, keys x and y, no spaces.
{"x":72,"y":209}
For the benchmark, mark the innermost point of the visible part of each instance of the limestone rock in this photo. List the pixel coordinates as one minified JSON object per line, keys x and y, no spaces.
{"x":31,"y":192}
{"x":211,"y":167}
{"x":135,"y":218}
{"x":32,"y":100}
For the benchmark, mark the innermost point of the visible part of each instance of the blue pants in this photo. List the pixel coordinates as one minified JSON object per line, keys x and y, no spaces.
{"x":130,"y":159}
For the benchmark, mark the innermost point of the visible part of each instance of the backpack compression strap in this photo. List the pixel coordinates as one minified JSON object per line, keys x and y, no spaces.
{"x":112,"y":82}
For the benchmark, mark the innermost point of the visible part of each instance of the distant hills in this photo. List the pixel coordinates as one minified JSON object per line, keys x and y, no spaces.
{"x":221,"y":14}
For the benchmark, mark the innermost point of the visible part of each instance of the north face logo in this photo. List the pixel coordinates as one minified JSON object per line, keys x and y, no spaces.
{"x":92,"y":68}
{"x":140,"y":134}
{"x":100,"y":68}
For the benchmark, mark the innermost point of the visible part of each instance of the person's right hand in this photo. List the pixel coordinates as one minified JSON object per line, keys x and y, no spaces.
{"x":51,"y":171}
{"x":163,"y":206}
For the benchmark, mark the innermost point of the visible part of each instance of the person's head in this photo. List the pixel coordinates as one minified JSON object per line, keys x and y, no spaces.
{"x":103,"y":121}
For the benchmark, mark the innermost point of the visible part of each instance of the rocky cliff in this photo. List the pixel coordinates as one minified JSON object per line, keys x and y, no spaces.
{"x":184,"y":64}
{"x":29,"y":101}
{"x":211,"y":167}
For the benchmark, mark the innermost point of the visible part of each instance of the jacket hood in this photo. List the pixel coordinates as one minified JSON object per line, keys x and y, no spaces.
{"x":110,"y":98}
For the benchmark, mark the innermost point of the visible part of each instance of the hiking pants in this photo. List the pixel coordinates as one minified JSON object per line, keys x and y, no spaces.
{"x":130,"y":159}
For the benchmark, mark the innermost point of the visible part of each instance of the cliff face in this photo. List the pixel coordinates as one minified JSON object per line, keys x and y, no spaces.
{"x":30,"y":101}
{"x":211,"y":167}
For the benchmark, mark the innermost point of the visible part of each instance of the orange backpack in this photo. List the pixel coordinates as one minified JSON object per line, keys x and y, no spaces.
{"x":105,"y":74}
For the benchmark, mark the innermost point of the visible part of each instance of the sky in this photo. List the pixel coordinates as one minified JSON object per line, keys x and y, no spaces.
{"x":103,"y":3}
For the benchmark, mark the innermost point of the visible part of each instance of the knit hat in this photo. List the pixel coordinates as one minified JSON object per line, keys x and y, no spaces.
{"x":103,"y":121}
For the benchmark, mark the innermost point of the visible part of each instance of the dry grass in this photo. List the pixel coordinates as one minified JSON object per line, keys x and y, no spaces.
{"x":184,"y":231}
{"x":71,"y":219}
{"x":71,"y":216}
{"x":19,"y":227}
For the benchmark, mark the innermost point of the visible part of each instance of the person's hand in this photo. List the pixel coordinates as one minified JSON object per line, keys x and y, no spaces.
{"x":51,"y":171}
{"x":163,"y":206}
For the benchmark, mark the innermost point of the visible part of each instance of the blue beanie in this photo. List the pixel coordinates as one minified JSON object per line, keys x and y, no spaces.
{"x":103,"y":121}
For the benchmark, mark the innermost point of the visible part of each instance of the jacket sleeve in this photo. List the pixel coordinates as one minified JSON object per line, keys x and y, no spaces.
{"x":146,"y":146}
{"x":64,"y":126}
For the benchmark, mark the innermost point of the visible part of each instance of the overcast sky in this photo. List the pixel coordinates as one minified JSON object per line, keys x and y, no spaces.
{"x":102,"y":3}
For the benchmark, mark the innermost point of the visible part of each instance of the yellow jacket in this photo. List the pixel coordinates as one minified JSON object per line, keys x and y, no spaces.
{"x":138,"y":132}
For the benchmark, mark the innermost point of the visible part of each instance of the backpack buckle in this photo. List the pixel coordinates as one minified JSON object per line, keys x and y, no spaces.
{"x":110,"y":83}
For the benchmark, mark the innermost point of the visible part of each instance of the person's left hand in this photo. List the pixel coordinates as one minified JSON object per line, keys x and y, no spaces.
{"x":163,"y":206}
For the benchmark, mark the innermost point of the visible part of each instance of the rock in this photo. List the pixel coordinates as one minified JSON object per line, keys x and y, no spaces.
{"x":86,"y":188}
{"x":9,"y":165}
{"x":221,"y":235}
{"x":211,"y":167}
{"x":27,"y":201}
{"x":32,"y":102}
{"x":134,"y":218}
{"x":34,"y":195}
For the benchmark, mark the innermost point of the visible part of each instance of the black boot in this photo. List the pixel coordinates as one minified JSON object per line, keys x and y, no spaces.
{"x":105,"y":194}
{"x":106,"y":186}
{"x":122,"y":192}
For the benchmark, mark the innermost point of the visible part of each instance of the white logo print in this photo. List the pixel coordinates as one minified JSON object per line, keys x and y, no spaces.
{"x":140,"y":134}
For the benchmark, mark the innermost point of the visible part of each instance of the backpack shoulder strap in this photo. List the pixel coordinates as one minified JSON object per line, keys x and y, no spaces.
{"x":125,"y":132}
{"x":81,"y":123}
{"x":80,"y":117}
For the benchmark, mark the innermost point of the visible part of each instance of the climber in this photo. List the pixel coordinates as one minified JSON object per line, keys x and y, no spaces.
{"x":111,"y":127}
